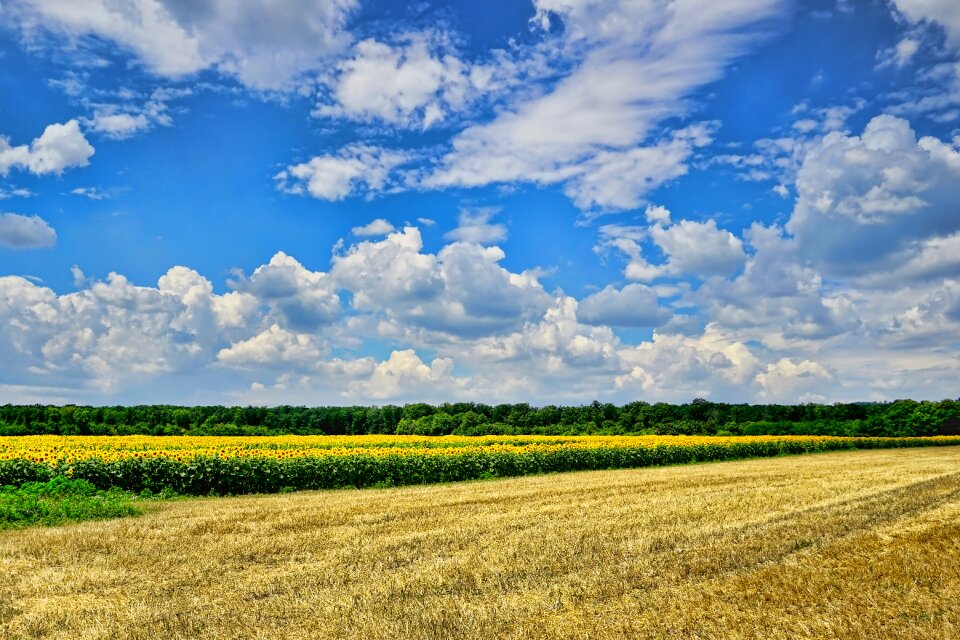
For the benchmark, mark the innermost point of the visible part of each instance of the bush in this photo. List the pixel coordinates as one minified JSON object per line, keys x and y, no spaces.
{"x":60,"y":500}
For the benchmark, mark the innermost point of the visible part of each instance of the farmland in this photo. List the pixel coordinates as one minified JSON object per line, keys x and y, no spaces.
{"x":202,"y":465}
{"x":851,"y":544}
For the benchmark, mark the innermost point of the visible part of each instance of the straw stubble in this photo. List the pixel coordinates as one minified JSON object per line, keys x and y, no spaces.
{"x":861,"y":544}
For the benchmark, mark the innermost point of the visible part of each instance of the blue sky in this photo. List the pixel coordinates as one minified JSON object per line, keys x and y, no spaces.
{"x":349,"y":202}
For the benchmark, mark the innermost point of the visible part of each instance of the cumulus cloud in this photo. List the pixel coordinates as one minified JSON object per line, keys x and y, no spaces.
{"x":790,"y":382}
{"x":112,"y":333}
{"x":678,"y":366}
{"x":298,"y":298}
{"x":866,"y":200}
{"x":635,"y":305}
{"x":779,"y":159}
{"x":774,"y":329}
{"x":698,"y":248}
{"x":778,"y":299}
{"x":79,"y":277}
{"x":25,"y":232}
{"x":415,"y":83}
{"x":108,"y":332}
{"x":265,"y":45}
{"x":59,"y":147}
{"x":557,"y":344}
{"x":124,"y":113}
{"x":273,"y":347}
{"x":404,"y":374}
{"x":462,"y":290}
{"x":95,"y":193}
{"x":690,"y":249}
{"x":899,"y":55}
{"x":357,"y":169}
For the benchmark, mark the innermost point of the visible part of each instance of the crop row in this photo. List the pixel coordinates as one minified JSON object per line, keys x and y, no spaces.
{"x":273,"y":470}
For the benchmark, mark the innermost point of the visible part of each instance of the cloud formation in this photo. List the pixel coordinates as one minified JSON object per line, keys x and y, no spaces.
{"x":266,"y":45}
{"x":415,"y":83}
{"x":293,"y":333}
{"x":25,"y":232}
{"x":356,"y":169}
{"x":591,"y":127}
{"x":59,"y":147}
{"x":865,"y":201}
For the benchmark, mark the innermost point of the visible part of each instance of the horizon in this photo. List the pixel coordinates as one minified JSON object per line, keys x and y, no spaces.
{"x":343,"y":203}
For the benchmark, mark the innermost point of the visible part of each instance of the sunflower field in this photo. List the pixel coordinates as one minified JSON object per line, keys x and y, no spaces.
{"x":213,"y":465}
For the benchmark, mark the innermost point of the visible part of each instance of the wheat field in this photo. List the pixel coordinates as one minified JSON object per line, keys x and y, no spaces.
{"x":861,"y":544}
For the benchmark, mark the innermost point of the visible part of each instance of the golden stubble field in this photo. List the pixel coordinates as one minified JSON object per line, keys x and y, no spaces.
{"x":862,"y":544}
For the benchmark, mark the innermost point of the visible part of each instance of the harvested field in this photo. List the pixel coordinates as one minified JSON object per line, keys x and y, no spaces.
{"x":858,"y":544}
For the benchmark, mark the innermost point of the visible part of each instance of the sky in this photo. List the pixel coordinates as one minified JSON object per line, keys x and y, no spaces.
{"x":370,"y":202}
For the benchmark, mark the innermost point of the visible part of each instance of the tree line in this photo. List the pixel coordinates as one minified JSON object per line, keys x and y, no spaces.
{"x":699,"y":417}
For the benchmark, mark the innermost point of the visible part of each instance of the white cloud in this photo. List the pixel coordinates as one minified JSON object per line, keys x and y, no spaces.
{"x":864,"y":201}
{"x":266,"y":44}
{"x":79,"y":277}
{"x":125,"y":113}
{"x":356,"y":169}
{"x":635,"y":305}
{"x":640,"y":61}
{"x":777,"y":299}
{"x":779,"y":159}
{"x":943,"y":12}
{"x":415,"y":83}
{"x":474,"y":226}
{"x":92,"y":193}
{"x":25,"y":232}
{"x":925,"y":260}
{"x":557,"y":345}
{"x":697,"y":249}
{"x":621,"y":179}
{"x":378,"y":227}
{"x":787,"y":381}
{"x":777,"y":329}
{"x":936,"y":88}
{"x":274,"y":347}
{"x":107,"y":333}
{"x":59,"y":147}
{"x":657,"y":214}
{"x":462,"y":290}
{"x":120,"y":125}
{"x":16,"y":192}
{"x":901,"y":54}
{"x":404,"y":374}
{"x":678,"y":367}
{"x":298,"y":298}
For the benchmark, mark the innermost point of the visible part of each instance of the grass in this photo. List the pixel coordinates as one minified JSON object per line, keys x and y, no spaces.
{"x":859,"y":544}
{"x":60,"y":500}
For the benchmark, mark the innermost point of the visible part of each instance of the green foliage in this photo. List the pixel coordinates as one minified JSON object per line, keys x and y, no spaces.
{"x":902,"y":418}
{"x":60,"y":500}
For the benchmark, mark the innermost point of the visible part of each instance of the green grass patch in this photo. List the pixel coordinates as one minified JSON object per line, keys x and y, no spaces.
{"x":61,"y":500}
